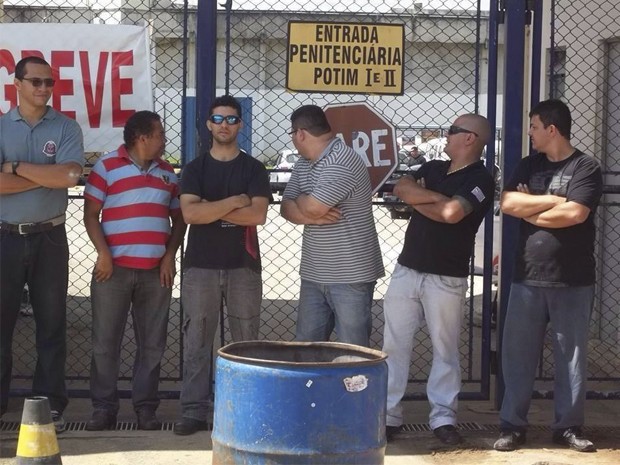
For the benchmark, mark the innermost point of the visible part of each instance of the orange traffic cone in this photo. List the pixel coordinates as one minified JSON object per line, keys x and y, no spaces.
{"x":37,"y":443}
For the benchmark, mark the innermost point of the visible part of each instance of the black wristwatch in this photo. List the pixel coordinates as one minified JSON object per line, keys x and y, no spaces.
{"x":14,"y":166}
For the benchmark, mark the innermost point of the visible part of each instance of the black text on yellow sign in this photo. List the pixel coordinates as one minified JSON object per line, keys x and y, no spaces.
{"x":345,"y":58}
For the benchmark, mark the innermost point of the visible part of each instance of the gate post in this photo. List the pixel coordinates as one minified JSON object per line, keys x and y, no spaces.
{"x":514,"y":81}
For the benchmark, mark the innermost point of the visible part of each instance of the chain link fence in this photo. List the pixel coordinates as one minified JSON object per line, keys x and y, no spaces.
{"x":584,"y":71}
{"x":445,"y":75}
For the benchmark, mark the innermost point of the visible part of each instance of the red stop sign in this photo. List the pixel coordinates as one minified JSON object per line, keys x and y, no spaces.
{"x":371,"y":136}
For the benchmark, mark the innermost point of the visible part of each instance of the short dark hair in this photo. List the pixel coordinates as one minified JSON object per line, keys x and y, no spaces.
{"x":554,"y":112}
{"x":226,"y":101}
{"x":20,"y":67}
{"x":139,"y":124}
{"x":311,"y":118}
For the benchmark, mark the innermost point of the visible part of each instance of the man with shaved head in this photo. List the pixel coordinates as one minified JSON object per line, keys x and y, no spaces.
{"x":450,"y":199}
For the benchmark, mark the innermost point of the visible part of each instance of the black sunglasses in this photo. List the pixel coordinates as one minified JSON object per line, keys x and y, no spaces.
{"x":219,"y":119}
{"x":38,"y":82}
{"x":457,"y":130}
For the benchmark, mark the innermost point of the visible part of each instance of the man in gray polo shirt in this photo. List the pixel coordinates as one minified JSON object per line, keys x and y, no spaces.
{"x":330,"y":194}
{"x":41,"y":155}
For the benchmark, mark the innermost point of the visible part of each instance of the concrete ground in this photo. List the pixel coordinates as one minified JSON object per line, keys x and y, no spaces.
{"x":477,"y":422}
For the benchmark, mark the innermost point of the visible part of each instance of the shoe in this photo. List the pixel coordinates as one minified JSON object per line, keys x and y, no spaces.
{"x":59,"y":422}
{"x":147,"y":420}
{"x":509,"y":440}
{"x":390,"y":432}
{"x":188,"y":426}
{"x":447,"y":434}
{"x":101,"y":420}
{"x":573,"y":438}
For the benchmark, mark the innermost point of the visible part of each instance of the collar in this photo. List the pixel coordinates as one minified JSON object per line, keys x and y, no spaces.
{"x":123,"y":153}
{"x":15,"y":115}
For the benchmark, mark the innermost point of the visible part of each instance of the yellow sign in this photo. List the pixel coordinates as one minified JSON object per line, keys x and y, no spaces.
{"x":356,"y":58}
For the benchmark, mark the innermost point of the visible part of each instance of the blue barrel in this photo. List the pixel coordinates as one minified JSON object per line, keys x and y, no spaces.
{"x":299,"y":403}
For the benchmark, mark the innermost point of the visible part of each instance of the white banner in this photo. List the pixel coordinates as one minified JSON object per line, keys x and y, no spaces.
{"x":102,"y":73}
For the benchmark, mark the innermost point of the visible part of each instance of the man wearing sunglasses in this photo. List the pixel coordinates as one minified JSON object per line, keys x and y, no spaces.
{"x":224,"y":197}
{"x":449,"y":200}
{"x":41,"y":154}
{"x":329,"y":193}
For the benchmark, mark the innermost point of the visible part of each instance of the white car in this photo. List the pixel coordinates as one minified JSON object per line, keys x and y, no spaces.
{"x":286,"y":161}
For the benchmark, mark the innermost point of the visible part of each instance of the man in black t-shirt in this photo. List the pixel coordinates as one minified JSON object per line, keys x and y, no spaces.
{"x":224,"y":196}
{"x":450,"y":200}
{"x":555,"y":193}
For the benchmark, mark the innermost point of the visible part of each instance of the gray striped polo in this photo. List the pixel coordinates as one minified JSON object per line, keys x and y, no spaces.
{"x":347,"y":251}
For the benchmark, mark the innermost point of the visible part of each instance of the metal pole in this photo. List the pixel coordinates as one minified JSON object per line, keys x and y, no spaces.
{"x":514,"y":80}
{"x":206,"y":60}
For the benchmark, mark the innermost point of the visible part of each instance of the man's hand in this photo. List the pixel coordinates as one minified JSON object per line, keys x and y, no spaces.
{"x":167,"y":270}
{"x":332,"y":216}
{"x":7,"y":167}
{"x":103,"y":267}
{"x":523,"y":188}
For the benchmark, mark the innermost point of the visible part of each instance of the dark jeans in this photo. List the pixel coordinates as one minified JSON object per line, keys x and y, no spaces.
{"x":141,"y":292}
{"x":42,"y":261}
{"x":202,"y":293}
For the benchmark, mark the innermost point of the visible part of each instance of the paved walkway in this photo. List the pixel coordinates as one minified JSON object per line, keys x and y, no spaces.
{"x":418,"y":446}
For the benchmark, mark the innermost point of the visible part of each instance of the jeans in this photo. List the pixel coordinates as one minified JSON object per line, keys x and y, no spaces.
{"x":42,"y":261}
{"x":347,"y":307}
{"x":411,"y":297}
{"x":140,"y":292}
{"x":202,"y":293}
{"x":530,"y":310}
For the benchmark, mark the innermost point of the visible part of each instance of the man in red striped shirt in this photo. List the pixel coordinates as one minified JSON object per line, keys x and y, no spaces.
{"x":135,"y":193}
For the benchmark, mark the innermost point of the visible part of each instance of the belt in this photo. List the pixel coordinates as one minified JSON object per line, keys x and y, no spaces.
{"x":32,"y":228}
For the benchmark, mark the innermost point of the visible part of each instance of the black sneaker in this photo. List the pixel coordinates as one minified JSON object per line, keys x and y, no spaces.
{"x":509,"y":440}
{"x":447,"y":434}
{"x":390,"y":432}
{"x":573,"y":438}
{"x":101,"y":420}
{"x":189,"y":426}
{"x":147,"y":420}
{"x":59,"y":422}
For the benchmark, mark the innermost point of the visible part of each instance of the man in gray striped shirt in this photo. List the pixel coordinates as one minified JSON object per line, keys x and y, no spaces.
{"x":330,"y":194}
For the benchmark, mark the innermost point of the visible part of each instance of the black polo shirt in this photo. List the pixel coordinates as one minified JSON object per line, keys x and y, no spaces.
{"x":442,"y":248}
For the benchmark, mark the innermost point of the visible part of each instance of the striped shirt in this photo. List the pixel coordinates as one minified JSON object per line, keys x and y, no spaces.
{"x":348,"y":250}
{"x":136,"y":207}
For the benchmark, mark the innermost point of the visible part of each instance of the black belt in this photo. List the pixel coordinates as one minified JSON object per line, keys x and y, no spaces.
{"x":32,"y":228}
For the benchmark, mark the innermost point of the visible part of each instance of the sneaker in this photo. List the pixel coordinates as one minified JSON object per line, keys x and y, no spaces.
{"x":59,"y":421}
{"x":390,"y":432}
{"x":509,"y":440}
{"x":573,"y":438}
{"x":101,"y":420}
{"x":447,"y":434}
{"x":147,"y":420}
{"x":189,"y":426}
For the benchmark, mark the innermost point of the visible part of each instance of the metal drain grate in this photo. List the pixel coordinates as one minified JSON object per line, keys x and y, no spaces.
{"x":13,"y":426}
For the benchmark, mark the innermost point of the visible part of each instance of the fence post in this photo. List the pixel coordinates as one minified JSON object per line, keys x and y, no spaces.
{"x":515,"y":18}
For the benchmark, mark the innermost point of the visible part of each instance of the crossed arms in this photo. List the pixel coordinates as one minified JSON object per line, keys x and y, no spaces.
{"x":306,"y":209}
{"x":239,"y":209}
{"x":32,"y":176}
{"x":431,"y":204}
{"x":546,"y":210}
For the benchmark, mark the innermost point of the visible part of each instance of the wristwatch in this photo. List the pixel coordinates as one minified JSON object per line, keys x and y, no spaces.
{"x":14,"y":166}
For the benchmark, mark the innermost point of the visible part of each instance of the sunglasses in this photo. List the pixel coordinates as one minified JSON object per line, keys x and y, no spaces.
{"x":458,"y":130}
{"x":38,"y":82}
{"x":230,"y":119}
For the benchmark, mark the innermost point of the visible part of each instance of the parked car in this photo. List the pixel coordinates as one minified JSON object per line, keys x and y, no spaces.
{"x":286,"y":161}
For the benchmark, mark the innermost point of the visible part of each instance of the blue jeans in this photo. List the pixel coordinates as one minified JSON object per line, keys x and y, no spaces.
{"x":202,"y":293}
{"x":346,"y":307}
{"x":42,"y":261}
{"x":439,"y":300}
{"x":530,"y":310}
{"x":140,"y":292}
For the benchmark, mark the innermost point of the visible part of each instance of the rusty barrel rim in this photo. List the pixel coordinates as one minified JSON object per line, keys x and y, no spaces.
{"x":377,"y":356}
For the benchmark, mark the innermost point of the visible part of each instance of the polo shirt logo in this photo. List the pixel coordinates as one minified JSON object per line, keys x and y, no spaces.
{"x":477,"y":192}
{"x":49,"y":148}
{"x":165,"y":178}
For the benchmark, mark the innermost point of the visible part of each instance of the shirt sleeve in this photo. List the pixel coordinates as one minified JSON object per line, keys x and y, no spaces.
{"x":521,"y":175}
{"x":293,"y":186}
{"x":190,"y":179}
{"x":586,"y":185}
{"x":97,"y":183}
{"x":259,"y":184}
{"x":71,"y":149}
{"x":335,"y":184}
{"x":478,"y":190}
